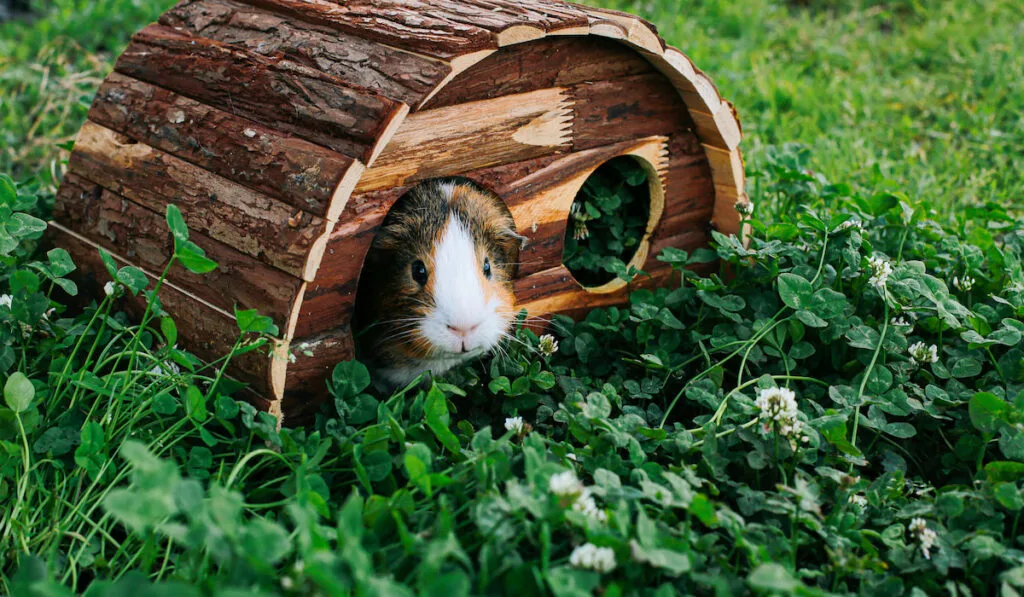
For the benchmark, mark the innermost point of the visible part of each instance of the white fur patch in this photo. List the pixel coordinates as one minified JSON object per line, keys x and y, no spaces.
{"x":462,"y":321}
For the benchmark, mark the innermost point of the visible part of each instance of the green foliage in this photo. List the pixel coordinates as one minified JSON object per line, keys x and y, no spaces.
{"x":126,"y":465}
{"x":787,"y":429}
{"x":608,"y":218}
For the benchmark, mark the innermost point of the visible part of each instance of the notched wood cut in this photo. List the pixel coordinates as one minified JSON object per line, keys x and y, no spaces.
{"x":450,"y":140}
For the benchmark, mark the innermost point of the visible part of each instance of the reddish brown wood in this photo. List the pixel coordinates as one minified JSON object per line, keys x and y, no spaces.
{"x":691,"y":190}
{"x":551,"y":62}
{"x":301,"y":173}
{"x":207,"y":333}
{"x":632,"y":107}
{"x":315,"y":358}
{"x":398,"y":24}
{"x":291,"y":97}
{"x":498,"y":15}
{"x":397,"y":74}
{"x":330,"y":299}
{"x":438,"y":28}
{"x":555,"y":291}
{"x":121,"y":226}
{"x":254,"y":224}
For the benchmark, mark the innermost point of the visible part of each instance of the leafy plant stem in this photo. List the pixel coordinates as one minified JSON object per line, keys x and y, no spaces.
{"x":867,"y":376}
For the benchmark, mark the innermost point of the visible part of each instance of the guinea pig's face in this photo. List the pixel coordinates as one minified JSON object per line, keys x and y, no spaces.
{"x":453,"y":253}
{"x":469,"y":299}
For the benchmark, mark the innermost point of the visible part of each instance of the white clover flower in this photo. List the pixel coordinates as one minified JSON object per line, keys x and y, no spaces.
{"x":565,"y":484}
{"x":920,"y":532}
{"x":548,"y":345}
{"x":592,"y":557}
{"x":858,"y":501}
{"x":899,"y":322}
{"x":6,"y":300}
{"x":880,"y":272}
{"x":109,"y":289}
{"x":568,"y":487}
{"x":779,"y":412}
{"x":744,"y":207}
{"x":921,"y":353}
{"x":586,"y":506}
{"x":964,"y":284}
{"x":514,"y":424}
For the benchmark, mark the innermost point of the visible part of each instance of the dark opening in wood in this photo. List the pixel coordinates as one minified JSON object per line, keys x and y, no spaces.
{"x":608,"y":222}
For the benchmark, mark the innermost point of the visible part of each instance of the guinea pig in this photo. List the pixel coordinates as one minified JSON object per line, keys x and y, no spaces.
{"x":436,"y":285}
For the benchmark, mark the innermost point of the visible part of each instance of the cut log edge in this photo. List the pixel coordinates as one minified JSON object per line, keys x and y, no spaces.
{"x":518,"y":34}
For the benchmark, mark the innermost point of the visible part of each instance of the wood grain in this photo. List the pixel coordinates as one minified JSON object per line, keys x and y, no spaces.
{"x":274,"y":91}
{"x":300,"y":173}
{"x":626,"y":28}
{"x":315,"y":358}
{"x":616,"y":110}
{"x":542,"y":64}
{"x":451,"y":140}
{"x":252,"y":223}
{"x":396,"y":74}
{"x":437,"y":28}
{"x":122,"y":226}
{"x":330,"y":298}
{"x":398,"y":24}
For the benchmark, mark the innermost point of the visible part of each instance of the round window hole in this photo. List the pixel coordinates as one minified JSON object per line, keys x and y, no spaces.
{"x":607,"y":224}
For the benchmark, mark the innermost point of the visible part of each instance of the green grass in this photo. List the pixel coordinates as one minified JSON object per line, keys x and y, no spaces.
{"x":843,"y":414}
{"x":929,"y":95}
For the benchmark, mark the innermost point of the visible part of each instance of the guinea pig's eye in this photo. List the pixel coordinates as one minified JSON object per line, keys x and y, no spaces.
{"x":419,"y":272}
{"x":487,"y":267}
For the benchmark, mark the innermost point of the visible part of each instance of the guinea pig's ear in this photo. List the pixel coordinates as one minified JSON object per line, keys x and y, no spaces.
{"x":510,"y":236}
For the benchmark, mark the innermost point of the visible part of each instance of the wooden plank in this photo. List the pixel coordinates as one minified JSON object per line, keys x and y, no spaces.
{"x":400,"y":24}
{"x":451,"y":140}
{"x":315,"y":358}
{"x":689,"y":184}
{"x":304,"y":175}
{"x":726,"y":167}
{"x":720,"y":130}
{"x":626,"y":28}
{"x":207,"y":332}
{"x":274,"y":91}
{"x":555,"y":291}
{"x":437,"y":28}
{"x":121,"y":226}
{"x":542,"y":64}
{"x":397,"y":74}
{"x":501,"y":15}
{"x":330,"y":298}
{"x":616,"y":110}
{"x":252,"y":223}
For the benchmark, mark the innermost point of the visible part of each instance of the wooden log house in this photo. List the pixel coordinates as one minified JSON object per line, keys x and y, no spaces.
{"x":285,"y":130}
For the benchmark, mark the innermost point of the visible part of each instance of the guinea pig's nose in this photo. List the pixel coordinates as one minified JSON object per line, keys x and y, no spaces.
{"x":462,"y":331}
